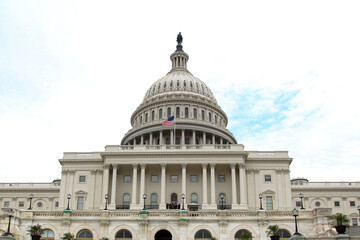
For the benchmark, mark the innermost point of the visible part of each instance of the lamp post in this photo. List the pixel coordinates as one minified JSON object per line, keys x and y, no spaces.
{"x":260,"y":198}
{"x":144,"y":197}
{"x":295,"y":214}
{"x":222,"y":203}
{"x":183,"y":201}
{"x":301,"y":199}
{"x":68,"y":197}
{"x":106,"y":201}
{"x":31,"y":196}
{"x":10,"y":215}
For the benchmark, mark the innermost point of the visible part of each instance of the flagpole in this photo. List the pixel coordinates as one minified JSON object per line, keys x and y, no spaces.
{"x":174,"y":132}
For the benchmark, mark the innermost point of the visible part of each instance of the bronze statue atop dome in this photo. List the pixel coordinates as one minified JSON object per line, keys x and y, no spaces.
{"x":179,"y":38}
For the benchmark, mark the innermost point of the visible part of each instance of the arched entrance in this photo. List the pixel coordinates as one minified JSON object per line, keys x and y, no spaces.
{"x":163,"y":235}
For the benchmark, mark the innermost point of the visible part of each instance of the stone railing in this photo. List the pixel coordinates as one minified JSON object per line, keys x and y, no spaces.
{"x":325,"y":184}
{"x":30,"y":185}
{"x":119,"y":148}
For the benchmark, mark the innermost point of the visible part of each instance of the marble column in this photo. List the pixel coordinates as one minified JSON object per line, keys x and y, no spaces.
{"x":112,"y":204}
{"x":212,"y":187}
{"x":183,"y":180}
{"x":142,"y":183}
{"x":134,"y":185}
{"x":243,"y":186}
{"x":233,"y":185}
{"x":63,"y":187}
{"x":194,"y":137}
{"x":182,"y":137}
{"x":204,"y":173}
{"x":142,"y":140}
{"x":172,"y":137}
{"x":105,"y":184}
{"x":204,"y":138}
{"x":151,"y":139}
{"x":161,"y":138}
{"x":163,"y":187}
{"x":280,"y":192}
{"x":213,"y":139}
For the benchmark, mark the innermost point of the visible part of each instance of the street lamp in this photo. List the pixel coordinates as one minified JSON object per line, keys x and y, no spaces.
{"x":31,"y":196}
{"x":68,"y":198}
{"x":301,"y":199}
{"x":10,"y":215}
{"x":260,"y":198}
{"x":144,"y":197}
{"x":106,"y":201}
{"x":183,"y":201}
{"x":295,"y":214}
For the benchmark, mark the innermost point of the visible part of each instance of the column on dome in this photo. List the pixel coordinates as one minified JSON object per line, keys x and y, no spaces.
{"x":151,"y":139}
{"x":233,"y":185}
{"x":161,"y":138}
{"x":112,"y":204}
{"x":105,"y":184}
{"x":183,"y":180}
{"x":204,"y":138}
{"x":142,"y":183}
{"x":134,"y":141}
{"x":134,"y":185}
{"x":204,"y":174}
{"x":221,"y":141}
{"x":242,"y":184}
{"x":142,"y":140}
{"x":213,"y":139}
{"x":182,"y":137}
{"x":212,"y":187}
{"x":163,"y":187}
{"x":193,"y":137}
{"x":171,"y":138}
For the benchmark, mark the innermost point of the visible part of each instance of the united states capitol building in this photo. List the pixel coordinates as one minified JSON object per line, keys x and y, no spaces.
{"x":188,"y":180}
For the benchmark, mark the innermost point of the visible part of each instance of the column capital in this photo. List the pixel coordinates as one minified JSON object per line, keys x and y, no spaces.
{"x":256,"y":171}
{"x":163,"y":165}
{"x":143,"y":165}
{"x":64,"y":171}
{"x":232,"y":165}
{"x":212,"y":165}
{"x":279,"y":171}
{"x":106,"y":166}
{"x":241,"y":165}
{"x":286,"y":171}
{"x":115,"y":165}
{"x":93,"y":172}
{"x":249,"y":170}
{"x":204,"y":165}
{"x":183,"y":165}
{"x":135,"y":165}
{"x":72,"y":172}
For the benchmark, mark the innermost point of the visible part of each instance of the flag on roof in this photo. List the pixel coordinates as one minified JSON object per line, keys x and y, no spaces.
{"x":169,"y":121}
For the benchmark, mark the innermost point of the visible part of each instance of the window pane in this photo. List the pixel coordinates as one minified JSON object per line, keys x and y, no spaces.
{"x":80,"y":203}
{"x":221,"y":178}
{"x":82,"y":178}
{"x":193,"y":178}
{"x":154,"y":178}
{"x":269,"y":203}
{"x":174,"y":178}
{"x":267,"y":178}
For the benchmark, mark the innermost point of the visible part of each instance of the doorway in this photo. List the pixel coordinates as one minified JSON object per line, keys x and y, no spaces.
{"x":163,"y":235}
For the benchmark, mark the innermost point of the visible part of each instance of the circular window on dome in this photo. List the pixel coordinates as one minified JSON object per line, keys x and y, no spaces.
{"x":317,"y":204}
{"x":39,"y":204}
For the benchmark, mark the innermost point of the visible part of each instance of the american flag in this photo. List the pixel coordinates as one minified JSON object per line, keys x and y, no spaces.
{"x":169,"y":121}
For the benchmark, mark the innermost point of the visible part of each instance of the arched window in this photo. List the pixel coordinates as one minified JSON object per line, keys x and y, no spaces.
{"x":194,"y":198}
{"x":146,"y":117}
{"x":168,"y":112}
{"x":84,"y":235}
{"x":177,"y":141}
{"x":195,"y":113}
{"x":241,"y":232}
{"x":153,"y":115}
{"x":126,"y":199}
{"x":177,"y":112}
{"x":209,"y":117}
{"x":154,"y":199}
{"x":202,"y":115}
{"x":159,"y":86}
{"x":191,"y":85}
{"x":203,"y":234}
{"x":48,"y":235}
{"x":197,"y":86}
{"x":186,"y":112}
{"x":284,"y":234}
{"x":160,"y":113}
{"x":123,"y":234}
{"x":174,"y":198}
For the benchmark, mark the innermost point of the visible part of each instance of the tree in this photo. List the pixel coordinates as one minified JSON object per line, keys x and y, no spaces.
{"x":245,"y":236}
{"x":272,"y":232}
{"x":35,"y":231}
{"x":68,"y":236}
{"x":340,"y":222}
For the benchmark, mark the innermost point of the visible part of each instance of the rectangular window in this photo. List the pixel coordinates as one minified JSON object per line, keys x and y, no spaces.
{"x":154,"y":178}
{"x":82,"y":178}
{"x":267,"y":178}
{"x":352,"y":203}
{"x":80,"y":203}
{"x":354,"y":221}
{"x":193,"y":178}
{"x":298,"y":203}
{"x":127,"y":178}
{"x":56,"y":204}
{"x":337,"y":204}
{"x":21,"y":204}
{"x":6,"y":204}
{"x":174,"y":178}
{"x":269,"y":203}
{"x":221,"y":178}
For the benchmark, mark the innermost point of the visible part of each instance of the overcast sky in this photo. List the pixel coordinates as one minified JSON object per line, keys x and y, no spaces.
{"x":285,"y":72}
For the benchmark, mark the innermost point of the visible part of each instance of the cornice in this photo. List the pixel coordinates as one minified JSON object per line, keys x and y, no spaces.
{"x":17,"y":189}
{"x":136,"y":153}
{"x":327,"y":188}
{"x":65,"y":160}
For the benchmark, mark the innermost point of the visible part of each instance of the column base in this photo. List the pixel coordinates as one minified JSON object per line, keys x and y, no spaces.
{"x":162,"y":206}
{"x":212,"y":206}
{"x":205,"y":206}
{"x":112,"y":206}
{"x":134,"y":206}
{"x":235,"y":206}
{"x":243,"y":206}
